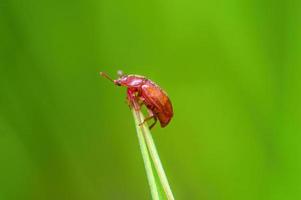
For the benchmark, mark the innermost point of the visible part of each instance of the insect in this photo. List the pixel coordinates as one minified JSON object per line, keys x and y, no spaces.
{"x":145,"y":91}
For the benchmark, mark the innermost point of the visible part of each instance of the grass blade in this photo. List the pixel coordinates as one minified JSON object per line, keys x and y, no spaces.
{"x":146,"y":159}
{"x":151,"y":158}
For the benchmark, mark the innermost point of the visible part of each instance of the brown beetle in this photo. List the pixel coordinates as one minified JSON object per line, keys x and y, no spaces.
{"x":146,"y":92}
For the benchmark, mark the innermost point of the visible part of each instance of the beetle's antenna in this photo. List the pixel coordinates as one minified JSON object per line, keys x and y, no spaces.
{"x":106,"y":76}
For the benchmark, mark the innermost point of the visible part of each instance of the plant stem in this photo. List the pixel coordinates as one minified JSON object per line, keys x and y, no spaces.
{"x":146,"y":158}
{"x":157,"y":162}
{"x":150,"y":148}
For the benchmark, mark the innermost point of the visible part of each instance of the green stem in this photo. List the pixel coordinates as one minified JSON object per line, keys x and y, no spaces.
{"x":146,"y":158}
{"x":152,"y":151}
{"x":157,"y":163}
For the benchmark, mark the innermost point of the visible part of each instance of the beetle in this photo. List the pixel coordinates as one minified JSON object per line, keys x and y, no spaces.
{"x":143,"y":90}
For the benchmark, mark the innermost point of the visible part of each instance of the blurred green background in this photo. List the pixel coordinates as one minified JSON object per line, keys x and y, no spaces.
{"x":230,"y":67}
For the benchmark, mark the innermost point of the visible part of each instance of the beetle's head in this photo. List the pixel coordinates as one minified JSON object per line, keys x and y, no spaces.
{"x":122,"y":78}
{"x":120,"y":81}
{"x":126,"y":80}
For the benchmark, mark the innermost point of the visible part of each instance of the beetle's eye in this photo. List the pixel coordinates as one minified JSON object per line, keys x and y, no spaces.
{"x":117,"y":82}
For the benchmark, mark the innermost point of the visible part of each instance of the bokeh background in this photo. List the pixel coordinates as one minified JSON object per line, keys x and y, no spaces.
{"x":230,"y":67}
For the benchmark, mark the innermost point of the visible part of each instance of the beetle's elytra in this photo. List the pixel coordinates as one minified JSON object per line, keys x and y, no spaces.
{"x":143,"y":90}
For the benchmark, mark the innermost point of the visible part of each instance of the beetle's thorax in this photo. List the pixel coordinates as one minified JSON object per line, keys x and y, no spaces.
{"x":130,"y":81}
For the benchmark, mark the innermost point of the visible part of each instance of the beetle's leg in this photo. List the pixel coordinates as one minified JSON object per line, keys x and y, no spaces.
{"x":149,"y":117}
{"x":151,"y":126}
{"x":140,"y":100}
{"x":139,"y":97}
{"x":131,"y":97}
